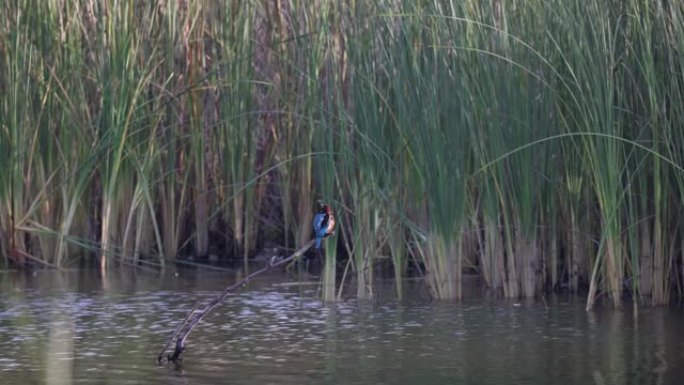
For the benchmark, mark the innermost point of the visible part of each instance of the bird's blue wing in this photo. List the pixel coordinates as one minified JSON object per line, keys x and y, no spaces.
{"x":318,"y":222}
{"x":319,"y":228}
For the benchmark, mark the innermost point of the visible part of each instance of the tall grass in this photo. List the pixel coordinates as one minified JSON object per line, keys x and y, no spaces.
{"x":534,"y":143}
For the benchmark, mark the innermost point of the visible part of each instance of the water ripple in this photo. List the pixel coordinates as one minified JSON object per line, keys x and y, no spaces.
{"x":273,"y":333}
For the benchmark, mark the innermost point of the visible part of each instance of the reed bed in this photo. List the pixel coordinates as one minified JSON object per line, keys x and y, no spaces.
{"x":536,"y":144}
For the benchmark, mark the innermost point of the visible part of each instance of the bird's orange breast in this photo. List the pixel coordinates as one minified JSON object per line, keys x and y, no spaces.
{"x":331,"y":224}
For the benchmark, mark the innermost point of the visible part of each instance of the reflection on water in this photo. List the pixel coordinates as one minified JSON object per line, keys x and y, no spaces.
{"x":63,"y":328}
{"x":60,"y":350}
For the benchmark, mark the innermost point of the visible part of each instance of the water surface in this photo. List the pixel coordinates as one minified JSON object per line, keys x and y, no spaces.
{"x":70,"y":327}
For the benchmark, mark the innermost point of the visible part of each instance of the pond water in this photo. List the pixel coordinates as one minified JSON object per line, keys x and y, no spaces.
{"x":73,"y":328}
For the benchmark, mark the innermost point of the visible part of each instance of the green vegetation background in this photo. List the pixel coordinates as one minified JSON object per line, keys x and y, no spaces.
{"x":537,"y":143}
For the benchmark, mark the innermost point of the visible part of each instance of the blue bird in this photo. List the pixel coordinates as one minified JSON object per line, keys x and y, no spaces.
{"x":323,"y":224}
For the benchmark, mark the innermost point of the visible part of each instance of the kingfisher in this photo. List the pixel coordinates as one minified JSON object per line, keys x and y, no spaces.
{"x":323,"y":223}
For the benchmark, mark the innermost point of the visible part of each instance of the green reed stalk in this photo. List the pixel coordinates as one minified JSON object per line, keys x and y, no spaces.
{"x":591,"y":73}
{"x":367,"y":175}
{"x":296,"y":137}
{"x":234,"y":139}
{"x":29,"y":86}
{"x":647,"y":97}
{"x":16,"y":112}
{"x":167,"y":175}
{"x":433,"y":73}
{"x":124,"y":85}
{"x":672,"y":113}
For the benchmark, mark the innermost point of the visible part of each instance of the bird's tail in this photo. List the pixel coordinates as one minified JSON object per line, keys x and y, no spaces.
{"x":318,"y":242}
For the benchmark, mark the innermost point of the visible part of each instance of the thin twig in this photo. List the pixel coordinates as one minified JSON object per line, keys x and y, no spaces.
{"x":194,"y":317}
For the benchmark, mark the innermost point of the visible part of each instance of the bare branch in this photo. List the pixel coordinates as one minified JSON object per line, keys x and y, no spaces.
{"x":195,"y":316}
